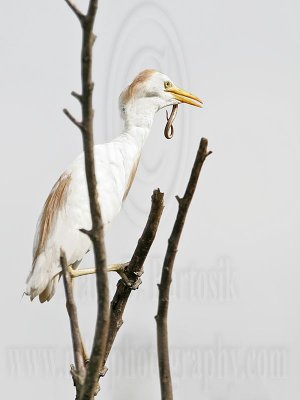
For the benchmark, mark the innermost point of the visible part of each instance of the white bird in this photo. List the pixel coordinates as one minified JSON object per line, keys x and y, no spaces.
{"x":66,"y":209}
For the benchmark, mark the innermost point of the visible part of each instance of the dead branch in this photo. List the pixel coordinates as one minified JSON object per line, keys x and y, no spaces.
{"x":89,"y":387}
{"x":73,"y":119}
{"x":166,"y":276}
{"x":78,"y":373}
{"x":76,"y":10}
{"x":135,"y":269}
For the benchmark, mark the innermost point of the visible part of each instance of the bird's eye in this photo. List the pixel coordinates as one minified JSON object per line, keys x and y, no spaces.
{"x":167,"y":84}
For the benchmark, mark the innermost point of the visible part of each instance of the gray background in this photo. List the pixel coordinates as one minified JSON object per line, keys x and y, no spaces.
{"x":234,"y":320}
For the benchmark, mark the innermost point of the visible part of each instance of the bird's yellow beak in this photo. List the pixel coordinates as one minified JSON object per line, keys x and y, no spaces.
{"x":184,"y":97}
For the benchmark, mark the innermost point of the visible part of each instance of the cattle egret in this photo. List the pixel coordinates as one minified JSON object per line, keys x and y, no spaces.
{"x":66,"y":209}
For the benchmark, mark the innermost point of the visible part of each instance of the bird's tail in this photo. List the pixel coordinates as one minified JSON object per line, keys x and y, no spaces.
{"x":43,"y":279}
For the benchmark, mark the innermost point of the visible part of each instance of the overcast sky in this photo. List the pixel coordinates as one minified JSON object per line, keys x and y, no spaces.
{"x":234,"y":321}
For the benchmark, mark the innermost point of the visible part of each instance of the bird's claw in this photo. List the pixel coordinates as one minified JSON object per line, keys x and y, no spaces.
{"x":131,"y":284}
{"x":72,"y":272}
{"x":103,"y":372}
{"x":139,"y":273}
{"x":134,"y":283}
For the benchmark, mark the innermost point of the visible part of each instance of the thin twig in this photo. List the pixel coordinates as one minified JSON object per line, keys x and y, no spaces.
{"x":96,"y":234}
{"x":77,"y":96}
{"x":78,"y":372}
{"x":76,"y":10}
{"x":73,"y":119}
{"x":166,"y":276}
{"x":135,"y":269}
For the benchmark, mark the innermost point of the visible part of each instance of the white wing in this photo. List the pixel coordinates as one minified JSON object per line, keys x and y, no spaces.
{"x":67,"y":210}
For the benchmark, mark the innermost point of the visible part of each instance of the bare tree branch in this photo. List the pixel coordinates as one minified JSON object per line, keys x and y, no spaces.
{"x":77,"y":96}
{"x":78,"y":372}
{"x":89,"y":387}
{"x":166,"y":276}
{"x":73,"y":119}
{"x":135,"y":269}
{"x":76,"y":10}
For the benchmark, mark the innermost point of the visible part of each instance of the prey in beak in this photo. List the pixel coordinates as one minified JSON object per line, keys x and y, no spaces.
{"x":183,"y":97}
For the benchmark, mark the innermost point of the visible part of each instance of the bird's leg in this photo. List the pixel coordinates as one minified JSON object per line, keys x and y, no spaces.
{"x":80,"y":272}
{"x":119,"y":268}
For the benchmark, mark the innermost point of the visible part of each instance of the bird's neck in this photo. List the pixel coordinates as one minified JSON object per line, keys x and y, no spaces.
{"x":135,"y":135}
{"x":138,"y":118}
